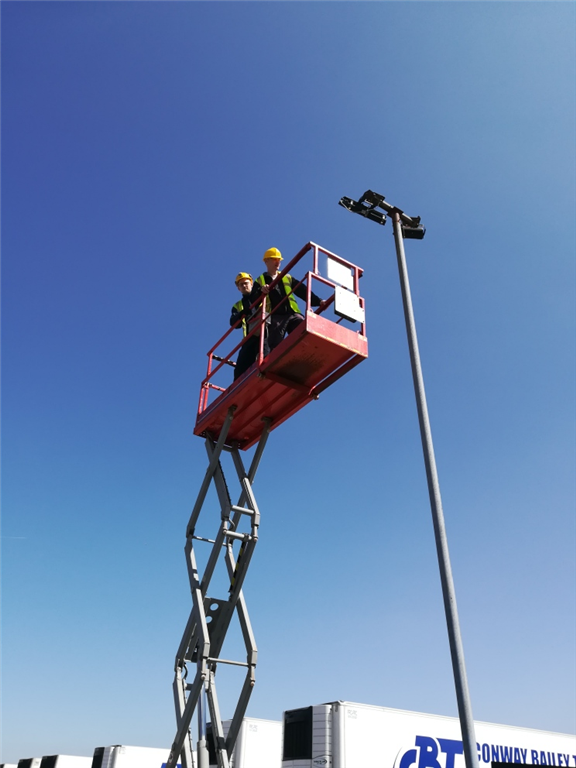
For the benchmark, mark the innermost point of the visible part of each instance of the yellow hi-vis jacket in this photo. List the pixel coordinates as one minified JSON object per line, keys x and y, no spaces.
{"x":248,"y":323}
{"x":239,"y":306}
{"x":287,"y":283}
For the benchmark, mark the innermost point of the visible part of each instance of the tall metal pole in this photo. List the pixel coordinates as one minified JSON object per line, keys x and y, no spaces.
{"x":448,"y":592}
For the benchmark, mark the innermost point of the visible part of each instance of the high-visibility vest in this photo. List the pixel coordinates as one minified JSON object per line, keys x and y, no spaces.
{"x":287,"y":281}
{"x":250,"y":323}
{"x":240,"y":307}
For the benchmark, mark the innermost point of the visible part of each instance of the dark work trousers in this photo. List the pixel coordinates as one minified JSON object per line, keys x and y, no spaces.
{"x":248,"y":354}
{"x":280,"y":325}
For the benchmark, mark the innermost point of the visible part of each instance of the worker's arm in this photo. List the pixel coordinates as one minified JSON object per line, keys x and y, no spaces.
{"x":236,"y":316}
{"x":258,"y":292}
{"x":301,"y":292}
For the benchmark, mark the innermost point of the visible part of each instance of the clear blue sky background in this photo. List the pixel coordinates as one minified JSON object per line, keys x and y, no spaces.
{"x":152,"y":150}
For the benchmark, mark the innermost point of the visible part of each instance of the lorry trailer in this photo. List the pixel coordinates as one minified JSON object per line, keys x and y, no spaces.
{"x":342,"y":734}
{"x":65,"y":761}
{"x":259,"y":744}
{"x":120,"y":756}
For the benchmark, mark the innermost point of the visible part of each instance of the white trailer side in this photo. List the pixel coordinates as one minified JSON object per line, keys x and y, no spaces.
{"x":346,"y":735}
{"x":259,"y":744}
{"x":121,"y":756}
{"x":65,"y":761}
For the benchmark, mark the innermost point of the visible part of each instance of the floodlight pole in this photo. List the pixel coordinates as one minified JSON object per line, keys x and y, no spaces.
{"x":410,"y":227}
{"x":448,"y":591}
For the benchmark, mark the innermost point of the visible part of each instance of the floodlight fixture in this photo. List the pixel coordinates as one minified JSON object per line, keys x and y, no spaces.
{"x":366,"y":206}
{"x":413,"y":233}
{"x":368,"y":211}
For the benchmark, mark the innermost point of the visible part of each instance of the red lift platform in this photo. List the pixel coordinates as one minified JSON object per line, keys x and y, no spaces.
{"x":317,"y":353}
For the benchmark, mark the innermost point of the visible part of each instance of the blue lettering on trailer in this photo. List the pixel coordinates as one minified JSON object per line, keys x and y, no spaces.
{"x":430,"y":752}
{"x":451,"y":747}
{"x":408,"y":758}
{"x":426,"y":753}
{"x":429,"y":749}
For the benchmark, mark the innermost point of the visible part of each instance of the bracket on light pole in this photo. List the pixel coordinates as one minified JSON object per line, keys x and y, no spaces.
{"x":366,"y":206}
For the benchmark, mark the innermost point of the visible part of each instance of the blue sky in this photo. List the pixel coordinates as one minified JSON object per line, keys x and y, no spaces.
{"x":152,"y":150}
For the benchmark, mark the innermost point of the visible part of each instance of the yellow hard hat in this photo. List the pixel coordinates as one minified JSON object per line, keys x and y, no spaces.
{"x":273,"y":253}
{"x":243,"y":276}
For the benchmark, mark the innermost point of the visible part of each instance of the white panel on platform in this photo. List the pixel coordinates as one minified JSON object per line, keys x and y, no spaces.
{"x":340,"y":274}
{"x":347,"y":305}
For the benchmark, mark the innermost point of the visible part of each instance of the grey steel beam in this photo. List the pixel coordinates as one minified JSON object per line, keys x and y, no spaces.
{"x":244,"y":619}
{"x":184,"y":725}
{"x":186,"y":637}
{"x":217,"y":731}
{"x":180,"y":704}
{"x":241,"y":707}
{"x":260,"y":449}
{"x":220,"y":536}
{"x":247,"y":494}
{"x":210,"y":471}
{"x":210,"y":618}
{"x":197,"y":596}
{"x":202,"y":747}
{"x":253,"y":467}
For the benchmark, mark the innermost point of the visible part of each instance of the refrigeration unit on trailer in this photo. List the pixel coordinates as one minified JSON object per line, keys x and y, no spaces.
{"x":119,"y":756}
{"x":259,"y":744}
{"x":65,"y":761}
{"x":29,"y":762}
{"x":342,"y":734}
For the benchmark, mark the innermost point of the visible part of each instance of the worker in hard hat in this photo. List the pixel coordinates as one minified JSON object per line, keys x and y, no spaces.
{"x":250,"y":318}
{"x":285,"y":316}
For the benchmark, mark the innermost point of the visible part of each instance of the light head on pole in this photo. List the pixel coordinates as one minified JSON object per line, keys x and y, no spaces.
{"x":366,"y":206}
{"x":413,"y":233}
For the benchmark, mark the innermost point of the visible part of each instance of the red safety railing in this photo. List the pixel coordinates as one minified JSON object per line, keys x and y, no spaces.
{"x":259,"y":324}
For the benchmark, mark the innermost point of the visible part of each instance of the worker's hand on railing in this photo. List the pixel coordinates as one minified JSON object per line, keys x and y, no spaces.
{"x":265,"y":290}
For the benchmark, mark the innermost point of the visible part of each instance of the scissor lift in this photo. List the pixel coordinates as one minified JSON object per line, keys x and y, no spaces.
{"x":311,"y":358}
